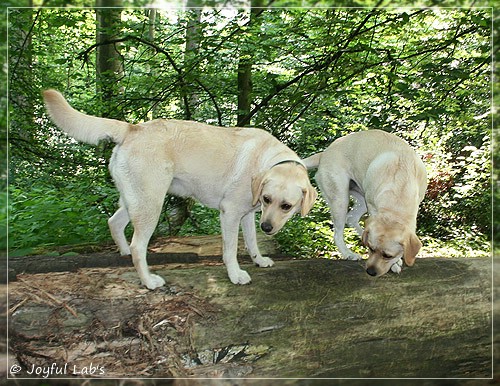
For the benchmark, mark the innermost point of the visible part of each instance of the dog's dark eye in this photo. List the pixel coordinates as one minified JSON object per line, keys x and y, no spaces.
{"x":267,"y":199}
{"x":386,"y":256}
{"x":286,"y":207}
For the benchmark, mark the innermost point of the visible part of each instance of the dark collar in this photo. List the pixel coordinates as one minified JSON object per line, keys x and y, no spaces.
{"x":288,"y":160}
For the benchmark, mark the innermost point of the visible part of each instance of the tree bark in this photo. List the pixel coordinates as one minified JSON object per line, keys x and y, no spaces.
{"x":191,"y":54}
{"x":151,"y":36}
{"x":20,"y":75}
{"x":245,"y":72}
{"x":109,"y":69}
{"x":178,"y":209}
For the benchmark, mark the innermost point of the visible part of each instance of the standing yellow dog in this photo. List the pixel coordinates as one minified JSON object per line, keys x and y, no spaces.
{"x":230,"y":169}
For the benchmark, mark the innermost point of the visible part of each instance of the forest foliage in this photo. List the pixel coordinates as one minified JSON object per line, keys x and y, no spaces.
{"x":306,"y":75}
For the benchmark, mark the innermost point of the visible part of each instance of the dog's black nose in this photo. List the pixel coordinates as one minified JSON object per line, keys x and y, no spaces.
{"x":371,"y":271}
{"x":266,"y":227}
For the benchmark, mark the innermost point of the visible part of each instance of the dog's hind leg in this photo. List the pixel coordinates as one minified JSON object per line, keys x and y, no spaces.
{"x":143,"y":197}
{"x":358,"y":209}
{"x":144,"y":214}
{"x":339,"y":220}
{"x":143,"y":229}
{"x":335,"y":188}
{"x":117,"y":224}
{"x":250,"y":236}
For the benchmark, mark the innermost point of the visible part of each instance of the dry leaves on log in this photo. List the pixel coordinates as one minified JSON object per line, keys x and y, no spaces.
{"x":102,"y":317}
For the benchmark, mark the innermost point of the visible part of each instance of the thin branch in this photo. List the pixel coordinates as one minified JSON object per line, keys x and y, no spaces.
{"x":181,"y":74}
{"x":331,"y":59}
{"x":84,"y":55}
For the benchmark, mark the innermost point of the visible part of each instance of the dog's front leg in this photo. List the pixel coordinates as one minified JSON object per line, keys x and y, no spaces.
{"x":250,"y":236}
{"x":230,"y":224}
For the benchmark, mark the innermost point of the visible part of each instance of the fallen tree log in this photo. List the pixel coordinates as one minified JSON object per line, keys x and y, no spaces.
{"x":73,"y":262}
{"x":301,"y":318}
{"x":162,"y":251}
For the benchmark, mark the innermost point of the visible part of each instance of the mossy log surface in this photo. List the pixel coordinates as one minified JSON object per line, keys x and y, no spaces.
{"x":298,"y":319}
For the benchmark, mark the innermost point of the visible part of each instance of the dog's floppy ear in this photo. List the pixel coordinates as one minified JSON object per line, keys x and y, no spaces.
{"x":258,"y":182}
{"x":411,"y":247}
{"x":364,"y":237}
{"x":309,"y":196}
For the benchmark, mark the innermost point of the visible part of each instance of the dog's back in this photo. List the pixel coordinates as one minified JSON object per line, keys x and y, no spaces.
{"x":372,"y":153}
{"x":365,"y":146}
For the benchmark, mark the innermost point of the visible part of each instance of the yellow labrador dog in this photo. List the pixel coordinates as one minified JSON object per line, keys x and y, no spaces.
{"x":385,"y":178}
{"x":231,"y":169}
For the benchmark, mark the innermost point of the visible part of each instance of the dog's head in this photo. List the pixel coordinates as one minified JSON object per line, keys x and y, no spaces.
{"x":387,"y":243}
{"x":282,"y":191}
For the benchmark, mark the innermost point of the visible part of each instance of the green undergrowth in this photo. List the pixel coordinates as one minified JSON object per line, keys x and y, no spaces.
{"x":43,"y":219}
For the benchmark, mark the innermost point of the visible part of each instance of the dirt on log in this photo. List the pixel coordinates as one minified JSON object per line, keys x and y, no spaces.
{"x":299,"y":319}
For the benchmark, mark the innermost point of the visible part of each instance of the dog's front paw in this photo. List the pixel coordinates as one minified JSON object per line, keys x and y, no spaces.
{"x":263,"y":261}
{"x":397,"y":266}
{"x":153,"y":281}
{"x":239,"y":277}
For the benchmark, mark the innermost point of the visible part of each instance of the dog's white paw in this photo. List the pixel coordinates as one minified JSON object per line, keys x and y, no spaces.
{"x":263,"y":261}
{"x":125,"y":251}
{"x":351,"y":256}
{"x":397,"y":266}
{"x":154,"y":281}
{"x":239,"y":277}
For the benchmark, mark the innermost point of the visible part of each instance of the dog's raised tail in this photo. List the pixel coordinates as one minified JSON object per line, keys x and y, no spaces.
{"x":82,"y":127}
{"x":312,"y":162}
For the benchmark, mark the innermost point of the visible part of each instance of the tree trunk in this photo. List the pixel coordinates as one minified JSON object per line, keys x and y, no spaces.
{"x":109,"y":64}
{"x":191,"y":55}
{"x":245,"y":72}
{"x":20,"y":75}
{"x":151,"y":36}
{"x":177,"y":210}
